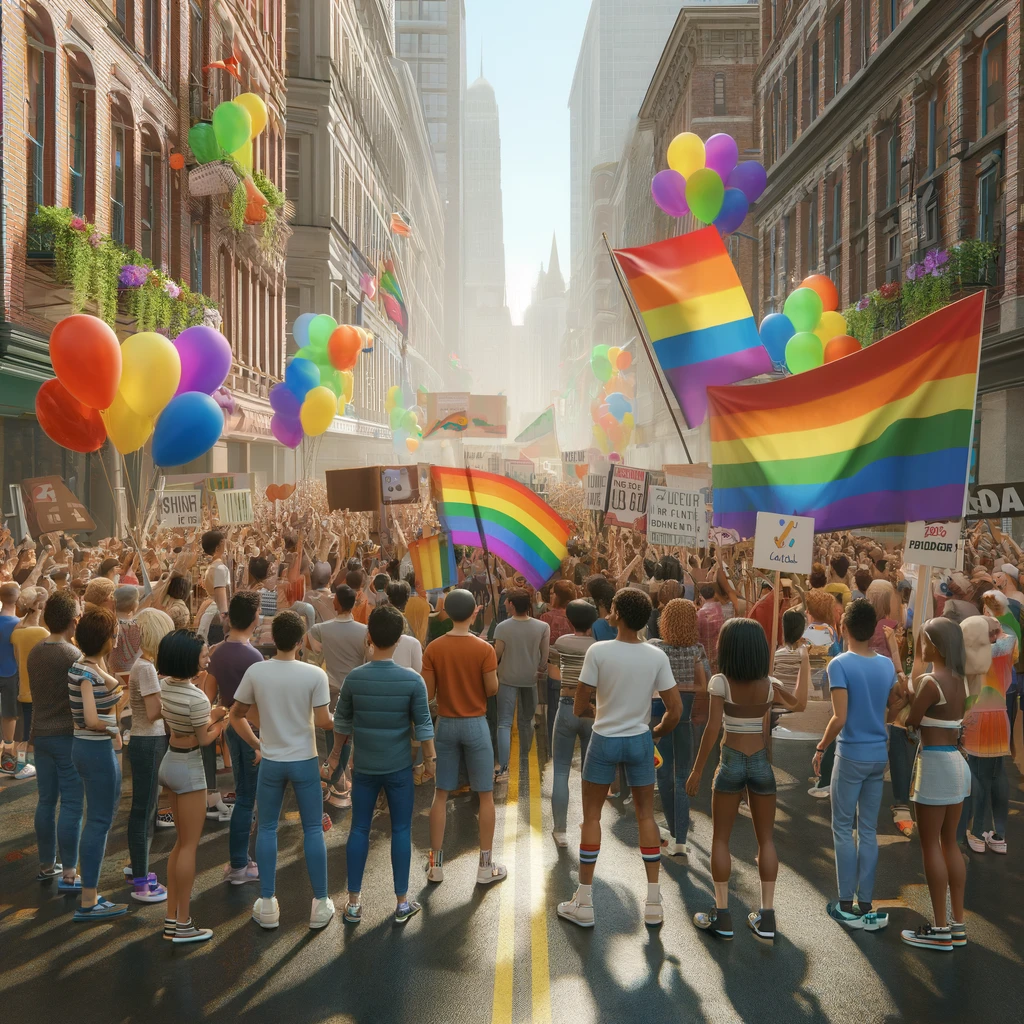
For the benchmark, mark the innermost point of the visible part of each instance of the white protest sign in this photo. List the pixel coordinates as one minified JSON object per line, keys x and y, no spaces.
{"x":234,"y":507}
{"x":627,"y":499}
{"x":677,"y":518}
{"x":180,"y":508}
{"x":595,"y":485}
{"x":784,"y":543}
{"x":933,"y":544}
{"x":577,"y":457}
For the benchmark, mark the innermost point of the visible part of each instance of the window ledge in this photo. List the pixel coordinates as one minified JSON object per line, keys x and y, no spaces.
{"x":983,"y":143}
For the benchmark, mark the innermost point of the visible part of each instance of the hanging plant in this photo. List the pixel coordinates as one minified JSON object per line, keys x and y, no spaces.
{"x":273,"y":195}
{"x":237,"y":206}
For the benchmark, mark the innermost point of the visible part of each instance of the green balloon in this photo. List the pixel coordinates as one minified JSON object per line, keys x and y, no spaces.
{"x":704,"y":194}
{"x":331,"y":378}
{"x":804,"y":352}
{"x":409,"y":422}
{"x":397,"y":417}
{"x":803,"y":307}
{"x":599,"y":352}
{"x":602,"y":368}
{"x":232,"y":126}
{"x":203,"y":143}
{"x":320,"y":330}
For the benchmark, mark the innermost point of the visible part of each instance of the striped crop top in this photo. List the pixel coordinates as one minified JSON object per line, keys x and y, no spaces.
{"x":185,"y":706}
{"x":719,"y":687}
{"x":80,"y":674}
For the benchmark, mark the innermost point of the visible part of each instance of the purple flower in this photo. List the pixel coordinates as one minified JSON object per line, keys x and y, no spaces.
{"x":132,"y":276}
{"x":937,"y":258}
{"x":937,"y":272}
{"x":915,"y":270}
{"x":173,"y":289}
{"x":95,"y":239}
{"x":863,"y":303}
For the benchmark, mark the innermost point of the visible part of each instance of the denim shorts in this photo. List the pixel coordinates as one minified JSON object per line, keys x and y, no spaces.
{"x":738,"y":771}
{"x":468,"y":738}
{"x":183,"y":771}
{"x":606,"y":753}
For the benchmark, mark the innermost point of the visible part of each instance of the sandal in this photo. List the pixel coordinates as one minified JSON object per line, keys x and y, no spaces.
{"x":101,"y":910}
{"x":353,"y":913}
{"x":45,"y":874}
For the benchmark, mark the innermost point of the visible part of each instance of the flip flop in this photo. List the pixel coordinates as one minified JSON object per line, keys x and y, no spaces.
{"x":101,"y":911}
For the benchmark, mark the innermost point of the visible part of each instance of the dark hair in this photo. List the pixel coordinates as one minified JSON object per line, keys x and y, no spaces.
{"x":386,"y":625}
{"x":410,"y":578}
{"x":817,"y":579}
{"x":581,"y":614}
{"x":345,"y":596}
{"x":211,"y":540}
{"x":793,"y":625}
{"x":860,"y":619}
{"x":178,"y":588}
{"x":651,"y":569}
{"x":707,"y":591}
{"x":355,"y":579}
{"x":633,"y":607}
{"x":459,"y":605}
{"x":601,"y":590}
{"x":948,"y":639}
{"x":520,"y":601}
{"x":882,"y":564}
{"x":354,"y":563}
{"x":95,"y":628}
{"x":259,"y":567}
{"x":862,"y":580}
{"x":106,"y":565}
{"x":288,"y":629}
{"x":394,"y":568}
{"x":380,"y":582}
{"x":60,"y":611}
{"x":398,"y":594}
{"x":840,"y":566}
{"x":178,"y":655}
{"x":743,"y":651}
{"x":243,"y":609}
{"x":671,"y":568}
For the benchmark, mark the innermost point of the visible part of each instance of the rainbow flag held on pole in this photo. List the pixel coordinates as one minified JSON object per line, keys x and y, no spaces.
{"x":502,"y":516}
{"x":880,"y":436}
{"x":696,"y":314}
{"x":391,"y":296}
{"x":433,"y":561}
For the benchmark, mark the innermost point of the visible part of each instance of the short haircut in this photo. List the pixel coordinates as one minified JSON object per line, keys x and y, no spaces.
{"x":678,"y":621}
{"x":633,"y":607}
{"x":243,"y":609}
{"x":860,"y":619}
{"x":320,"y":575}
{"x":99,"y":590}
{"x":398,"y":594}
{"x":180,"y":615}
{"x":386,"y":625}
{"x":345,"y":596}
{"x":288,"y":629}
{"x":840,"y":566}
{"x":126,"y":598}
{"x":354,"y":563}
{"x":60,"y":611}
{"x":410,"y":578}
{"x":380,"y":582}
{"x":793,"y":625}
{"x":882,"y":564}
{"x":743,"y":651}
{"x":562,"y":592}
{"x":259,"y":568}
{"x":155,"y":625}
{"x":355,"y":579}
{"x":817,"y":579}
{"x":581,"y":614}
{"x":601,"y":590}
{"x":106,"y":565}
{"x":862,"y":580}
{"x":95,"y":628}
{"x":671,"y":568}
{"x":179,"y":588}
{"x":520,"y":601}
{"x":460,"y":605}
{"x":178,"y":655}
{"x":821,"y":605}
{"x":707,"y":591}
{"x":211,"y":540}
{"x":30,"y":598}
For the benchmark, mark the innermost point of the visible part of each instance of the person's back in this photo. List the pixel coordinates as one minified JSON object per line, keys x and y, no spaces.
{"x":626,"y":677}
{"x":525,"y":652}
{"x":459,"y":663}
{"x":344,"y":647}
{"x":868,"y":680}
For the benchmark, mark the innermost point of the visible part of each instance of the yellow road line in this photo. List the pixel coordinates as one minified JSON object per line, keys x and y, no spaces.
{"x":540,"y":971}
{"x":501,"y":1012}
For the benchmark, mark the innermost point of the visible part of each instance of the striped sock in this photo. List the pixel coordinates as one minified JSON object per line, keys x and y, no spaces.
{"x":651,"y":854}
{"x":588,"y":854}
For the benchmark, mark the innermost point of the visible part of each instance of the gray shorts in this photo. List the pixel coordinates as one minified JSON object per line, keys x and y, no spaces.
{"x":469,"y":738}
{"x":9,"y":696}
{"x":183,"y":771}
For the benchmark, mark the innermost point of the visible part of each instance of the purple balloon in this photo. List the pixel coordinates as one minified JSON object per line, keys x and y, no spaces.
{"x":287,"y":431}
{"x":205,"y":359}
{"x":733,"y":211}
{"x":668,"y":188}
{"x":721,"y":154}
{"x":284,"y":401}
{"x":750,"y":178}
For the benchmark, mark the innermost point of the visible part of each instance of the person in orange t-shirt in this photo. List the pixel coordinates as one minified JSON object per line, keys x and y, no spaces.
{"x":461,"y":671}
{"x":355,"y":579}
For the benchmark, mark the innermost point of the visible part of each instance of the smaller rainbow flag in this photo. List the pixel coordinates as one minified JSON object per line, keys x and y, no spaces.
{"x":391,"y":295}
{"x":502,"y":516}
{"x":697,"y":315}
{"x":433,"y":560}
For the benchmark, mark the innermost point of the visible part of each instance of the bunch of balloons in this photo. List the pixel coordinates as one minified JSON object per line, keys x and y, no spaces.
{"x":335,"y":350}
{"x":707,"y":180}
{"x":405,"y":423}
{"x":810,"y":330}
{"x":236,"y":123}
{"x":148,"y":386}
{"x":612,"y":407}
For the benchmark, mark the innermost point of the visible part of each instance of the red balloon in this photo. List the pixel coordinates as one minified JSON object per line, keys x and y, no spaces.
{"x":827,"y":291}
{"x":841,"y":345}
{"x":343,"y":347}
{"x":177,"y":161}
{"x":66,"y":421}
{"x":86,"y":357}
{"x":624,"y":361}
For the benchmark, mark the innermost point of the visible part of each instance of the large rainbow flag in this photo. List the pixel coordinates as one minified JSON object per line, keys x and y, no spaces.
{"x":503,"y":516}
{"x":881,"y":436}
{"x":696,"y":314}
{"x":433,"y":561}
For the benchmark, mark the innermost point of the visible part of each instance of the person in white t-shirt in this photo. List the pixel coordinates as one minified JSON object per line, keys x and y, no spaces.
{"x":217,"y":582}
{"x":293,"y":700}
{"x":627,"y":674}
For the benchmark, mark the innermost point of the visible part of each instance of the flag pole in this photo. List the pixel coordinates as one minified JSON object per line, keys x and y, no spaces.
{"x":647,"y":345}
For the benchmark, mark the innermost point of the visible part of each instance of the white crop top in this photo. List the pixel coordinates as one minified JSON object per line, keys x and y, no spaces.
{"x":719,"y":687}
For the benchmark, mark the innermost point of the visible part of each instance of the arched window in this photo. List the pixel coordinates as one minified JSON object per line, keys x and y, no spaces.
{"x":124,"y":13}
{"x":122,"y":162}
{"x":41,"y":109}
{"x":720,"y":107}
{"x":81,"y":134}
{"x":993,"y":82}
{"x":151,"y":197}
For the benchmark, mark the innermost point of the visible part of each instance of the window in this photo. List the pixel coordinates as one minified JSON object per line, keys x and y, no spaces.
{"x":720,"y":107}
{"x":36,"y":124}
{"x":837,"y":54}
{"x":434,"y":10}
{"x":195,"y":61}
{"x":776,"y":123}
{"x":118,"y":156}
{"x":812,"y":232}
{"x":151,"y":32}
{"x":435,"y":104}
{"x":149,"y":243}
{"x":788,"y":249}
{"x":774,"y":17}
{"x":293,"y":170}
{"x":834,"y":229}
{"x":292,"y":37}
{"x":772,"y":272}
{"x":993,"y":82}
{"x":195,"y":265}
{"x":892,"y":165}
{"x":791,"y":105}
{"x":815,"y":61}
{"x":859,"y":222}
{"x":407,"y":42}
{"x":81,"y":114}
{"x":938,"y":130}
{"x":928,"y":216}
{"x":988,"y":204}
{"x":434,"y":74}
{"x":434,"y":43}
{"x":893,"y":247}
{"x":124,"y":11}
{"x":888,"y":16}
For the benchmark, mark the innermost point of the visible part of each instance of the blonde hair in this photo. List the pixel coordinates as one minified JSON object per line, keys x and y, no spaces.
{"x":678,"y":623}
{"x":155,"y":625}
{"x":30,"y":599}
{"x":99,"y":591}
{"x":880,"y":595}
{"x":179,"y":614}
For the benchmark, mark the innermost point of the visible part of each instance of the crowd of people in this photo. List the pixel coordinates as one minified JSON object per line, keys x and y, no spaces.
{"x":251,"y":643}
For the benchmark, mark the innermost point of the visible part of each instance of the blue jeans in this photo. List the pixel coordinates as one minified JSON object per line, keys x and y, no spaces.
{"x":856,"y":795}
{"x":57,"y":776}
{"x":508,"y":697}
{"x":144,"y":755}
{"x":990,"y":791}
{"x":567,"y":728}
{"x":398,"y":788}
{"x":304,"y":776}
{"x":901,"y":764}
{"x":246,"y":775}
{"x":676,"y":751}
{"x":101,"y":776}
{"x":554,"y":698}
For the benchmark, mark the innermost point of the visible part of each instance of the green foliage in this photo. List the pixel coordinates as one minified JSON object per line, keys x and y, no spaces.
{"x":973,"y":262}
{"x":273,"y":195}
{"x":924,"y":295}
{"x":236,"y":209}
{"x":860,"y":324}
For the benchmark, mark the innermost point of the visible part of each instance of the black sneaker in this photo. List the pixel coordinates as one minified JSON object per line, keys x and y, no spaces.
{"x":762,"y":924}
{"x":717,"y":923}
{"x":929,"y":937}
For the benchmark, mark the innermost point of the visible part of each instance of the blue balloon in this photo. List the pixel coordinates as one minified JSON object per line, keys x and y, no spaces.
{"x":300,"y":329}
{"x":734,"y":209}
{"x":618,"y":405}
{"x":776,"y":330}
{"x":301,"y":376}
{"x":189,"y":426}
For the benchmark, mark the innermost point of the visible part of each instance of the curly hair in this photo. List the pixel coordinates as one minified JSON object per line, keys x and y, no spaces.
{"x":822,"y":605}
{"x":678,"y":623}
{"x":633,"y":607}
{"x":669,"y":591}
{"x":99,"y":591}
{"x":880,"y":593}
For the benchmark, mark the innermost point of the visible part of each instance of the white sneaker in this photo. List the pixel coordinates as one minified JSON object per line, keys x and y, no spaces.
{"x":561,"y":840}
{"x":239,"y":876}
{"x":576,"y":912}
{"x":266,"y":912}
{"x":654,"y":914}
{"x":321,"y":913}
{"x":225,"y":812}
{"x":674,"y":849}
{"x":435,"y":873}
{"x":488,"y":873}
{"x":26,"y":771}
{"x":820,"y":792}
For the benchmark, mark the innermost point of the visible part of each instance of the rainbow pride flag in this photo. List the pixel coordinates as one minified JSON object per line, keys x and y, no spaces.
{"x":881,"y":436}
{"x":391,"y":296}
{"x":433,"y":560}
{"x":696,"y":314}
{"x":502,"y":516}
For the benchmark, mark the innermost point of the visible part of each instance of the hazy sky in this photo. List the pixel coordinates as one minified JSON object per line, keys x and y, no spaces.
{"x":529,"y":53}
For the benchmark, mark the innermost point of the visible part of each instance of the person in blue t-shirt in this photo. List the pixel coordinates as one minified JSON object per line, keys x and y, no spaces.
{"x":602,"y":592}
{"x":863,"y":685}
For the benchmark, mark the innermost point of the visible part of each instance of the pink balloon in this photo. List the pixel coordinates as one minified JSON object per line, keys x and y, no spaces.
{"x":205,"y":359}
{"x":288,"y":432}
{"x":721,"y":154}
{"x":668,"y":188}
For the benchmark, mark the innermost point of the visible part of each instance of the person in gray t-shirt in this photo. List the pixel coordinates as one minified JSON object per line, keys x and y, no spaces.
{"x":521,"y":644}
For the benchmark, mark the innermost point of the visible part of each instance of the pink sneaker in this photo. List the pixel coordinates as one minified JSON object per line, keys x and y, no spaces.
{"x":976,"y":844}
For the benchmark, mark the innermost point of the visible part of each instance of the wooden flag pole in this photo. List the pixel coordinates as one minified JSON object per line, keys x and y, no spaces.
{"x":773,"y":639}
{"x":642,"y":331}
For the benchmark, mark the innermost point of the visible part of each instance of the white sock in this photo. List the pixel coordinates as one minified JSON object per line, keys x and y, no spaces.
{"x":653,"y":892}
{"x":584,"y":895}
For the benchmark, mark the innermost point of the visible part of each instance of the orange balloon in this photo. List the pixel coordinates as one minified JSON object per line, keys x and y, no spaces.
{"x":256,"y":207}
{"x":66,"y":421}
{"x":842,"y":345}
{"x":624,"y":361}
{"x":86,"y":357}
{"x":343,"y":347}
{"x":177,"y":161}
{"x":581,"y":470}
{"x":826,"y":290}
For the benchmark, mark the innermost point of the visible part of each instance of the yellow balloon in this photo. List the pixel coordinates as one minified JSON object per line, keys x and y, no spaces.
{"x":243,"y":155}
{"x":613,"y":354}
{"x":686,"y":153}
{"x":412,"y":443}
{"x":318,"y":410}
{"x":347,"y":385}
{"x":257,"y":110}
{"x":127,"y":430}
{"x":363,"y":336}
{"x":150,"y":372}
{"x":830,"y":326}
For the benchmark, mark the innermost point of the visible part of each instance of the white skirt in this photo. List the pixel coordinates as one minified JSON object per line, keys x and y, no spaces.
{"x":941,"y":777}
